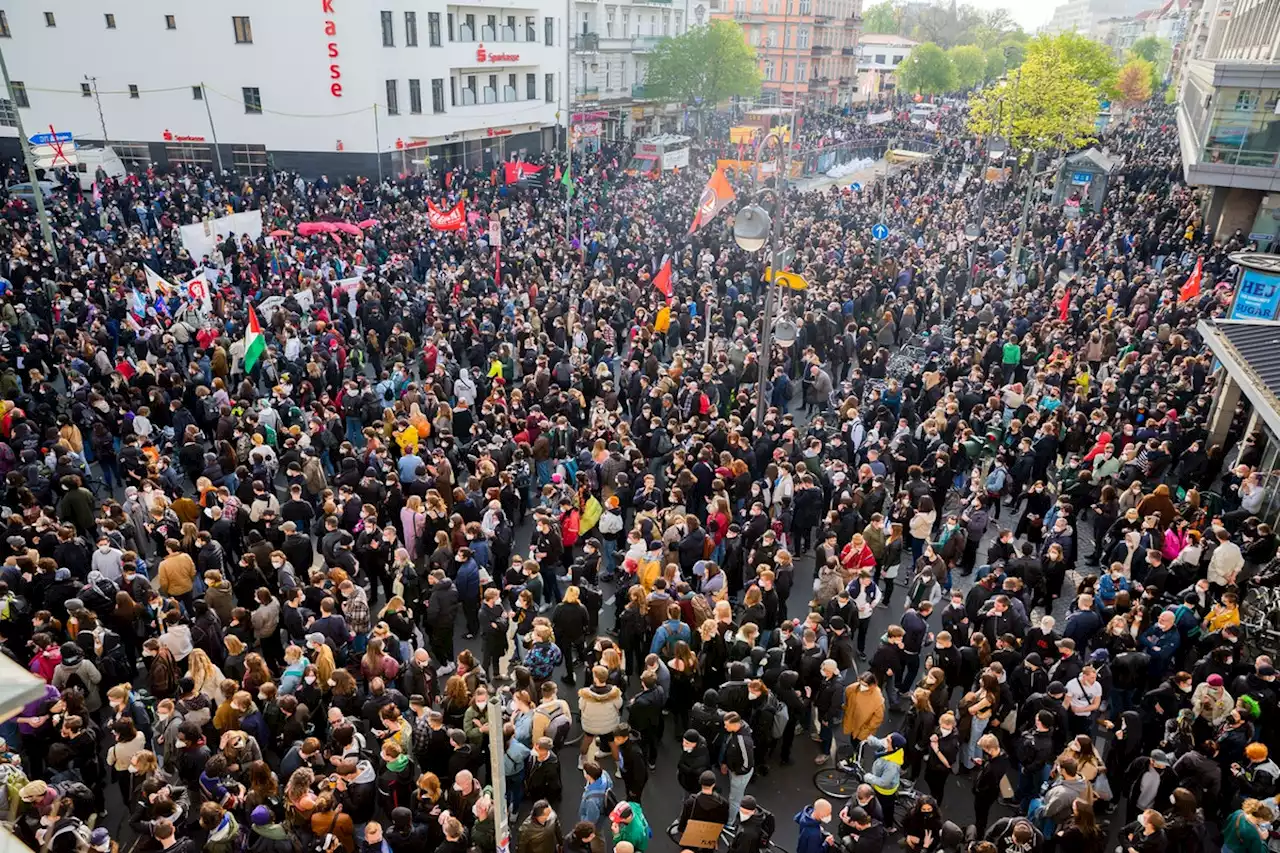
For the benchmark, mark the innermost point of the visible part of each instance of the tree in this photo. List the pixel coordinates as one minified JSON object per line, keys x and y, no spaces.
{"x":1046,"y":105}
{"x":705,"y":65}
{"x":1089,"y":60}
{"x":995,"y":26}
{"x":880,"y":18}
{"x":995,"y":63}
{"x":970,"y":64}
{"x":927,"y":70}
{"x":1134,"y":81}
{"x":1150,"y":48}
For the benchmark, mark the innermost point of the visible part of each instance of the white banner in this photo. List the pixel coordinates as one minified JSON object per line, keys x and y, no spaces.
{"x":269,"y":306}
{"x":200,"y":239}
{"x":305,"y":300}
{"x":879,"y":118}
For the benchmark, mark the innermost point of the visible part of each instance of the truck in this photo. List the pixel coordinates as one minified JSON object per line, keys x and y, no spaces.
{"x":657,"y":154}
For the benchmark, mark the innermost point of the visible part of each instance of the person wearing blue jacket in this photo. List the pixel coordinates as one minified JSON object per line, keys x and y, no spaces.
{"x":595,"y":794}
{"x":468,"y":584}
{"x":813,"y":838}
{"x":885,"y":776}
{"x":669,"y":633}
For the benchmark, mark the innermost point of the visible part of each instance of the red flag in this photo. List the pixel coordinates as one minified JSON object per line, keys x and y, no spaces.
{"x":497,"y":266}
{"x":1191,"y":289}
{"x":1064,"y":306}
{"x":715,"y":197}
{"x":557,"y":177}
{"x":448,"y":179}
{"x":447,"y":220}
{"x":513,"y":172}
{"x":662,"y":280}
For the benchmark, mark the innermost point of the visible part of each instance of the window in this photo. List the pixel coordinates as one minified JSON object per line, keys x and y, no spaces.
{"x":186,"y":154}
{"x":4,"y":25}
{"x":530,"y":86}
{"x":437,"y":95}
{"x":806,"y":6}
{"x":410,"y":29}
{"x":772,"y":40}
{"x":111,"y":20}
{"x":249,"y":159}
{"x":879,"y":59}
{"x":244,"y":32}
{"x":786,"y":69}
{"x":197,"y":93}
{"x":530,"y":28}
{"x":549,"y":31}
{"x":252,"y":100}
{"x":755,"y":36}
{"x":450,"y":26}
{"x":768,"y":69}
{"x":801,"y":72}
{"x":773,"y":7}
{"x":8,"y":114}
{"x":897,"y":58}
{"x":803,"y":37}
{"x":549,"y":90}
{"x":85,"y":90}
{"x":626,"y":23}
{"x":453,"y":91}
{"x":468,"y":28}
{"x":170,"y":22}
{"x":388,"y":30}
{"x":433,"y":29}
{"x":415,"y":97}
{"x":393,"y":98}
{"x":135,"y":155}
{"x":49,"y":20}
{"x":133,"y":91}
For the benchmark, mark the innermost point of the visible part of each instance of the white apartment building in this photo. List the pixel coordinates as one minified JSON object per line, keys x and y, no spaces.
{"x":879,"y":56}
{"x":1082,"y":15}
{"x":611,"y":46}
{"x":322,"y":86}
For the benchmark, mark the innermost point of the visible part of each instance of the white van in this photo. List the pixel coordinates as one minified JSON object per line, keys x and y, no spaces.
{"x":89,"y":160}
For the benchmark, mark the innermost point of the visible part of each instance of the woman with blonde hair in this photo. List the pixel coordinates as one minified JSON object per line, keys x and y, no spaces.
{"x":376,"y":663}
{"x":325,"y":666}
{"x":234,"y":662}
{"x":413,"y":524}
{"x":204,"y":673}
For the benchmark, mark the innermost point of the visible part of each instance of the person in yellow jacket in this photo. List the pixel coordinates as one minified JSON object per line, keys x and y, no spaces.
{"x":885,"y":775}
{"x":1225,"y":612}
{"x":649,"y":567}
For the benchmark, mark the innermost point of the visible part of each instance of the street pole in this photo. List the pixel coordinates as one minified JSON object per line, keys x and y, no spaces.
{"x":766,"y":333}
{"x":102,"y":121}
{"x":25,"y":145}
{"x":1022,"y":226}
{"x":213,"y":131}
{"x":498,"y":778}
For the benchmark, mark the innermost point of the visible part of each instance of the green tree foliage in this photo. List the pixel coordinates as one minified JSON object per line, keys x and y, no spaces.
{"x":880,"y":18}
{"x":711,"y":63}
{"x":1134,"y":81}
{"x":927,"y":70}
{"x":970,"y":64}
{"x":1089,"y":61}
{"x":1151,"y":48}
{"x":995,"y":63}
{"x":1046,"y":105}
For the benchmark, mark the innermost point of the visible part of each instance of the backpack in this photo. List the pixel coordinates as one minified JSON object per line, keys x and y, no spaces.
{"x":610,"y":523}
{"x":558,"y":723}
{"x":504,"y":534}
{"x":563,"y":374}
{"x":781,"y":716}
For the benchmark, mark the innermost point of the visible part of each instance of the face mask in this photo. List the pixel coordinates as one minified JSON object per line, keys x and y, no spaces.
{"x":104,"y":548}
{"x":482,"y":705}
{"x":744,"y":815}
{"x":310,"y":679}
{"x":753,"y":695}
{"x":945,"y":731}
{"x":279,"y":564}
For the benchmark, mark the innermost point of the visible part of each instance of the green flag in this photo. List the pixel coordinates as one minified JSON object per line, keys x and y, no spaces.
{"x":567,"y":178}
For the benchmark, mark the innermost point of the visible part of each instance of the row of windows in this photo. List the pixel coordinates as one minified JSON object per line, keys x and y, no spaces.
{"x":469,"y":90}
{"x":465,"y":30}
{"x":252,"y":95}
{"x":170,"y":23}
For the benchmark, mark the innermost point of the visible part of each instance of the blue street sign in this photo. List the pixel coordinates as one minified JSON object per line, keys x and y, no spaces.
{"x":856,"y":187}
{"x":50,"y":138}
{"x":879,"y":231}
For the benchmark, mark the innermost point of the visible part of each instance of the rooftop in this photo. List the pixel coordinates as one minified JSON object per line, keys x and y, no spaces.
{"x":1250,"y":350}
{"x":886,"y":38}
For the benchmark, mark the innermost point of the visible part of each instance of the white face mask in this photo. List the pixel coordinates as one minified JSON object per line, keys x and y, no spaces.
{"x":310,"y":679}
{"x":744,"y":815}
{"x":482,"y":704}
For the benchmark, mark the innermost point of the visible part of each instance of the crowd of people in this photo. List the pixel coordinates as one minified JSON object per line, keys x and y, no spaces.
{"x":466,"y":513}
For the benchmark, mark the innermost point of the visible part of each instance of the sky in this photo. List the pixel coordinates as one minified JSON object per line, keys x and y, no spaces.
{"x":1031,"y":14}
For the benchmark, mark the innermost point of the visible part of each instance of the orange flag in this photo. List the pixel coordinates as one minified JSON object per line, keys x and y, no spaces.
{"x":715,"y":197}
{"x":1191,"y":289}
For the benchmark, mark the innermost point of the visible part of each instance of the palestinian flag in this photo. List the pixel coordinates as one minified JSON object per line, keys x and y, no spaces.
{"x":254,"y":345}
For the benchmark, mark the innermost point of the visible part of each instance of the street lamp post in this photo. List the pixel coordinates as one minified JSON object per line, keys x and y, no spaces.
{"x":752,"y":227}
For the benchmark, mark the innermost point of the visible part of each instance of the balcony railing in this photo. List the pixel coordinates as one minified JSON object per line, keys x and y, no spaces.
{"x":645,"y":43}
{"x":848,"y":51}
{"x":638,"y":91}
{"x":854,"y":22}
{"x":821,"y":50}
{"x":845,"y":80}
{"x":821,"y":20}
{"x":588,"y":93}
{"x":587,"y":42}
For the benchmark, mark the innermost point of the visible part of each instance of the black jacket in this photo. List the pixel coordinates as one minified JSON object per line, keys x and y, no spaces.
{"x":711,"y":808}
{"x":740,"y":751}
{"x":692,"y":764}
{"x":635,"y":770}
{"x":542,"y":779}
{"x":646,"y":709}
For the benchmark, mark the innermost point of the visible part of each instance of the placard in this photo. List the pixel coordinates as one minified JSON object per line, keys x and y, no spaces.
{"x":701,"y":835}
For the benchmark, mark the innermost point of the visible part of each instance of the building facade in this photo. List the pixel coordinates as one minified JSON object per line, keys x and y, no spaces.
{"x":879,"y":56}
{"x":1228,"y":127}
{"x":1082,"y":15}
{"x":807,"y":49}
{"x":322,"y":86}
{"x":612,"y":40}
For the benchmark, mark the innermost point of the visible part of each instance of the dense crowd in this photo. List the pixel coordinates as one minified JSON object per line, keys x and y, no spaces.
{"x":244,"y":579}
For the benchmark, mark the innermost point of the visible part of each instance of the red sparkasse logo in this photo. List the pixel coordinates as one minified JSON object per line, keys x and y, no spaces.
{"x":499,"y":131}
{"x":483,"y":56}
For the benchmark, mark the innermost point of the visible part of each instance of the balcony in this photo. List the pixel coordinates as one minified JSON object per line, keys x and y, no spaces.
{"x":848,"y":51}
{"x":587,"y":93}
{"x":587,"y":42}
{"x":846,"y":79}
{"x":644,"y":44}
{"x":821,"y":50}
{"x":853,"y":23}
{"x":822,"y":20}
{"x":639,"y":92}
{"x":1223,"y":145}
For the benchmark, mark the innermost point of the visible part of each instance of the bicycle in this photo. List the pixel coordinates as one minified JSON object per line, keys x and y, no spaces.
{"x":841,"y":782}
